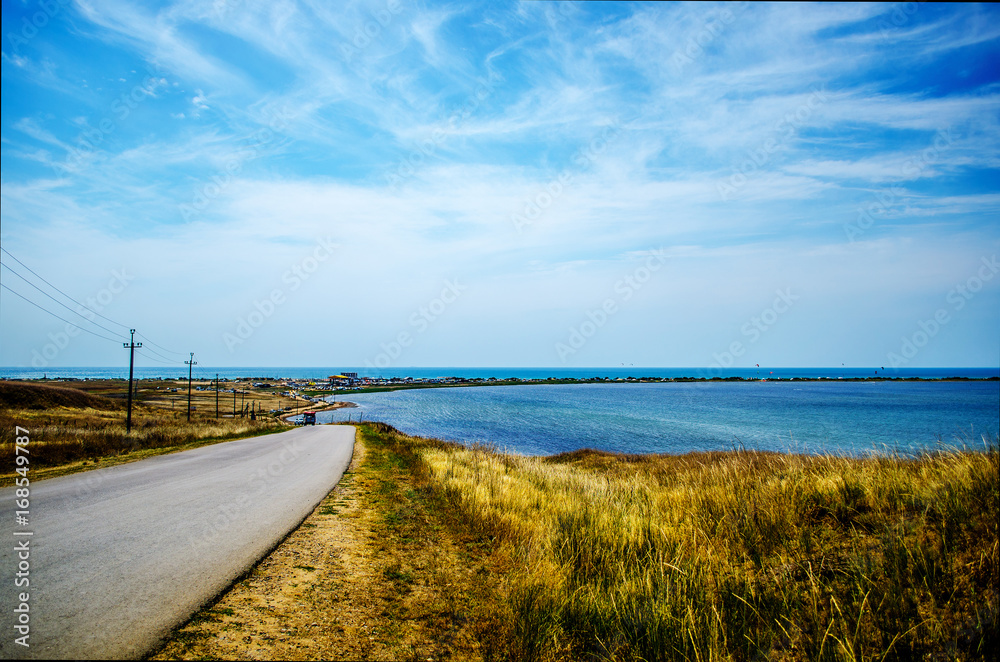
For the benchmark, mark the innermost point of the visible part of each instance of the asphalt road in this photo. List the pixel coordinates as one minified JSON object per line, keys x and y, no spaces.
{"x":120,"y":556}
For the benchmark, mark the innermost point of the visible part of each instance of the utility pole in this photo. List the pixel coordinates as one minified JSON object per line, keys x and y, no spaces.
{"x":191,"y":365}
{"x":131,"y":347}
{"x":216,"y":395}
{"x":234,"y":402}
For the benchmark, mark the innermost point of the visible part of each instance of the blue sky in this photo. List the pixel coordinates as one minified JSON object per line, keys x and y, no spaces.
{"x":502,"y":184}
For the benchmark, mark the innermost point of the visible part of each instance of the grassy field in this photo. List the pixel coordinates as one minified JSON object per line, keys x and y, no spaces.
{"x":381,"y":570}
{"x":730,"y":555}
{"x":75,"y":427}
{"x":590,"y":555}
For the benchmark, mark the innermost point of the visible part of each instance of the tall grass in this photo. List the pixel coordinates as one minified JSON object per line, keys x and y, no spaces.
{"x":735,"y":556}
{"x":65,"y":435}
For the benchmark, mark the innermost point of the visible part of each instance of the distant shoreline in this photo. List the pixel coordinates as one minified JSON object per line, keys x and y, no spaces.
{"x":548,"y":380}
{"x":319,"y":375}
{"x":409,"y":383}
{"x":416,"y":385}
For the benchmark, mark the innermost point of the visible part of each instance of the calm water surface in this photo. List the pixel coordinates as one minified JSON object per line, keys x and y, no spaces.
{"x":846,"y":418}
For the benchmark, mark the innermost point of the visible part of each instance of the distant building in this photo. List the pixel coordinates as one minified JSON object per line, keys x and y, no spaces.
{"x":345,"y":379}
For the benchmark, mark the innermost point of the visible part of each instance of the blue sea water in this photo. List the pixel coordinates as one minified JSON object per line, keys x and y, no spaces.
{"x":836,"y":417}
{"x":321,"y":373}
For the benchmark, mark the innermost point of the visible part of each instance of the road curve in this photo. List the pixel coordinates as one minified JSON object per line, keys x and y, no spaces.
{"x":120,"y":556}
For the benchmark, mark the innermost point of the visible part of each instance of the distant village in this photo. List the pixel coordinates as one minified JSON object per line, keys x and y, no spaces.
{"x":316,"y":390}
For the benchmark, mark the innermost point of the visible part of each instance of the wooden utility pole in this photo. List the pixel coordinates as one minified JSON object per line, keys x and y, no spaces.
{"x":216,"y":395}
{"x":191,"y":365}
{"x":131,"y":347}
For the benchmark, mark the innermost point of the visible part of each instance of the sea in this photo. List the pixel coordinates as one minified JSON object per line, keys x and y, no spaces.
{"x":837,"y":415}
{"x":614,"y":372}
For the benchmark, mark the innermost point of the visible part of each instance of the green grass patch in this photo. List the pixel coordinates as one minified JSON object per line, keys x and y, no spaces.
{"x":719,"y":556}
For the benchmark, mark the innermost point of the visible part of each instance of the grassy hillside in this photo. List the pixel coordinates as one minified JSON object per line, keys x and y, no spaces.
{"x":24,"y":395}
{"x":719,"y":556}
{"x":72,"y":427}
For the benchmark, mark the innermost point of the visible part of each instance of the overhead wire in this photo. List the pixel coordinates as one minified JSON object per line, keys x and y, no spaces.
{"x":153,"y":351}
{"x":75,"y":312}
{"x":168,"y":351}
{"x":57,"y":316}
{"x":34,"y":273}
{"x":57,"y":289}
{"x":150,"y":358}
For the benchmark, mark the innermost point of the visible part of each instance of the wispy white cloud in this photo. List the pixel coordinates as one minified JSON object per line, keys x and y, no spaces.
{"x":271,"y":124}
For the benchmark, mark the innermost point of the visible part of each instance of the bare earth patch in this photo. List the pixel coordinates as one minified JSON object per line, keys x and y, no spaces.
{"x":370,"y":574}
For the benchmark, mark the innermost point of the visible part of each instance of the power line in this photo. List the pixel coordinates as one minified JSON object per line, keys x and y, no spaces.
{"x":75,"y":312}
{"x":165,"y":358}
{"x":131,"y":346}
{"x":190,"y":364}
{"x":56,"y":316}
{"x":146,"y":356}
{"x":76,"y":302}
{"x":57,"y":289}
{"x":168,"y":351}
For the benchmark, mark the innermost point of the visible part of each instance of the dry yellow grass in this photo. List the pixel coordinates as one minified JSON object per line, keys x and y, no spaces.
{"x":375,"y":573}
{"x":723,"y":556}
{"x":735,"y":555}
{"x":70,"y":428}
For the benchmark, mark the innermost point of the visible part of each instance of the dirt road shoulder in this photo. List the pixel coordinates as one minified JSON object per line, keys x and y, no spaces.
{"x":372,"y":573}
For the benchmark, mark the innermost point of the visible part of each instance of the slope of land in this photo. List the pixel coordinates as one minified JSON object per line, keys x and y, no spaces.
{"x":442,"y":551}
{"x":81,"y":425}
{"x":120,"y":556}
{"x":377,"y":572}
{"x":25,"y":395}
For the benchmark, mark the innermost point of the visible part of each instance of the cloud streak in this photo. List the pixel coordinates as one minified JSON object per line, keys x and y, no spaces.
{"x":410,"y":134}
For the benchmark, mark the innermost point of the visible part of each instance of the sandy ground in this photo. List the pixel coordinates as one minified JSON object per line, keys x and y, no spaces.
{"x":344,"y":586}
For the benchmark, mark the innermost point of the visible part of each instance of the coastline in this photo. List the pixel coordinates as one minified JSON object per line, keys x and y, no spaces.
{"x":817,"y":416}
{"x":430,"y":538}
{"x":404,"y":385}
{"x":318,"y":408}
{"x":321,"y":374}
